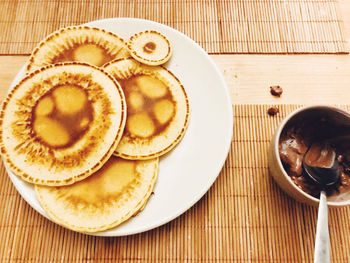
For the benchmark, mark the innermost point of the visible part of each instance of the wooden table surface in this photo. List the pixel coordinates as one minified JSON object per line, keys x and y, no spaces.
{"x":306,"y":79}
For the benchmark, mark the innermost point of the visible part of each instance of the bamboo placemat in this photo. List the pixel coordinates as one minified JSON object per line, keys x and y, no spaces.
{"x":244,"y":217}
{"x":228,"y":26}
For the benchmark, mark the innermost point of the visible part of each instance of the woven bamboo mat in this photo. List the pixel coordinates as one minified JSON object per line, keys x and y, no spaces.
{"x":229,"y":26}
{"x":244,"y":217}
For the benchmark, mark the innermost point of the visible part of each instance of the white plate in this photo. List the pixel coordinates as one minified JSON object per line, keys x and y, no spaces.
{"x":187,"y":172}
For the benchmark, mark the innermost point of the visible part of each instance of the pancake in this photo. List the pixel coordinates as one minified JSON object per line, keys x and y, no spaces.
{"x":112,"y":195}
{"x":158,"y":109}
{"x":78,"y":43}
{"x":150,"y":47}
{"x":61,"y":123}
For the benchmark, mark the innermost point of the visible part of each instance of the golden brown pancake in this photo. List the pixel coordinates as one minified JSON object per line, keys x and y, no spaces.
{"x":78,"y":43}
{"x":158,"y":109}
{"x":150,"y":47}
{"x":110,"y":196}
{"x":61,"y":123}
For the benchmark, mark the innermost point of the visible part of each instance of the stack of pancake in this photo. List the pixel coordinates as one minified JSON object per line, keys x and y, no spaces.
{"x":89,"y":121}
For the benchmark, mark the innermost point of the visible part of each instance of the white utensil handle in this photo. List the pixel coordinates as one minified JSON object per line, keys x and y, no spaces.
{"x":322,"y":254}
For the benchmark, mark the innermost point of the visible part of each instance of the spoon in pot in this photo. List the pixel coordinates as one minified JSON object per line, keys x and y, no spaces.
{"x":322,"y":168}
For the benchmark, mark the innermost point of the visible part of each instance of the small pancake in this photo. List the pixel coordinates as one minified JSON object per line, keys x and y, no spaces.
{"x":158,"y":109}
{"x":150,"y":47}
{"x":61,"y":123}
{"x":78,"y":43}
{"x":112,"y":195}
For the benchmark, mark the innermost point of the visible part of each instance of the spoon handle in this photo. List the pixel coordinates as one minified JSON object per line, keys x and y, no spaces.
{"x":322,"y":254}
